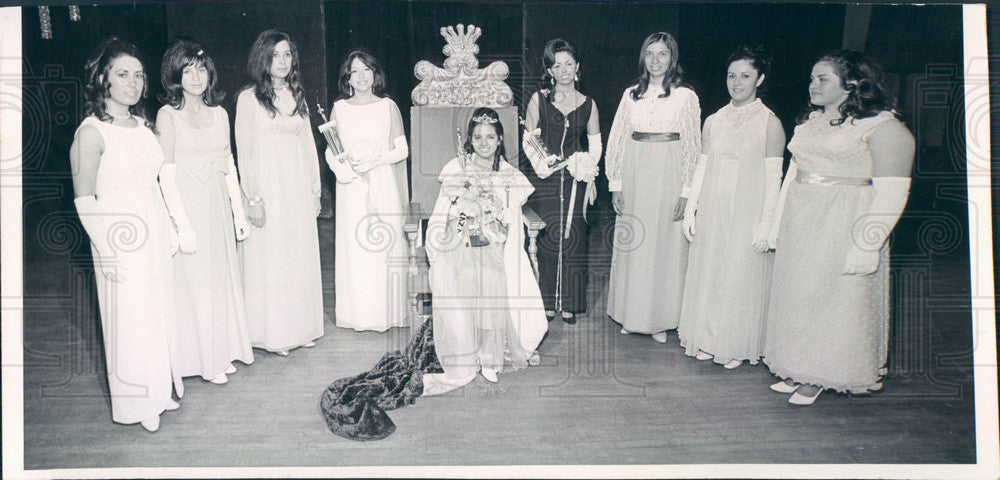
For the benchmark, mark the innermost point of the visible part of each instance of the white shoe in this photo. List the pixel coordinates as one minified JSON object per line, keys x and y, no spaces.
{"x":535,"y":359}
{"x":733,"y":364}
{"x":230,"y":369}
{"x":704,"y":356}
{"x":490,"y":375}
{"x":172,"y":405}
{"x":283,"y":353}
{"x":151,"y":424}
{"x":219,"y":379}
{"x":660,"y":337}
{"x":309,"y":344}
{"x":782,"y":387}
{"x":625,"y":332}
{"x":800,"y":399}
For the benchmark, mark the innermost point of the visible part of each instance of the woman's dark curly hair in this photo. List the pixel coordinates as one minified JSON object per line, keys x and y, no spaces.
{"x":494,"y":119}
{"x":259,"y":69}
{"x":758,"y":59}
{"x":553,"y":47}
{"x":180,"y":55}
{"x":862,"y":78}
{"x":98,"y":67}
{"x":674,"y":71}
{"x":379,"y":80}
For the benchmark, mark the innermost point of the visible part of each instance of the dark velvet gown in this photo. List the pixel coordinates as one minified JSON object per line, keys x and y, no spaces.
{"x":562,"y":135}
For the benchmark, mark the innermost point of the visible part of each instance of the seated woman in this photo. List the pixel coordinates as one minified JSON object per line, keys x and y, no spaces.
{"x":488,"y":313}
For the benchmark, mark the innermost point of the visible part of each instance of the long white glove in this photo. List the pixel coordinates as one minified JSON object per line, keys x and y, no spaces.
{"x":400,"y":150}
{"x":582,"y":165}
{"x":772,"y":185}
{"x":342,"y":170}
{"x":240,"y":223}
{"x":871,"y":232}
{"x":539,"y":163}
{"x":793,"y":171}
{"x":96,"y":226}
{"x":687,"y":224}
{"x":175,"y":207}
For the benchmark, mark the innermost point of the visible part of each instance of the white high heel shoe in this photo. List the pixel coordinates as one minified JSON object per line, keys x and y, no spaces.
{"x":733,"y":364}
{"x":704,"y":356}
{"x":660,"y":337}
{"x":219,"y":379}
{"x":172,"y":405}
{"x":490,"y":375}
{"x":151,"y":424}
{"x":783,"y":387}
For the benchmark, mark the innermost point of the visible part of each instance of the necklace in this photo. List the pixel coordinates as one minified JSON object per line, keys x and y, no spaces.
{"x":127,"y":116}
{"x":281,"y":88}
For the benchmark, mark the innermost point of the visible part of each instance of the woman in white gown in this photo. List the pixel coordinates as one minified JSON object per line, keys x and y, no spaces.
{"x":194,"y":133}
{"x":653,"y":146}
{"x":847,"y":185}
{"x":733,"y":193}
{"x":488,"y":311}
{"x":279,"y":173}
{"x":371,"y":257}
{"x":115,"y":161}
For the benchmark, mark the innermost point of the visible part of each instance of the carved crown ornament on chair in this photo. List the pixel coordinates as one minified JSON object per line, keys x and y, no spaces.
{"x":461,"y":82}
{"x":443,"y":101}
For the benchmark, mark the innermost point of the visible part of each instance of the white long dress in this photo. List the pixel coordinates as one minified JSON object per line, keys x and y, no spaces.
{"x":824,"y":327}
{"x":649,"y":258}
{"x":137,"y":314}
{"x":211,"y":318}
{"x":371,"y":258}
{"x":488,"y":309}
{"x":283,"y":287}
{"x":727,"y":284}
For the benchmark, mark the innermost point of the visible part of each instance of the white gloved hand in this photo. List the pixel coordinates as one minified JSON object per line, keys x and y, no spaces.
{"x":341,"y":167}
{"x":95,"y":224}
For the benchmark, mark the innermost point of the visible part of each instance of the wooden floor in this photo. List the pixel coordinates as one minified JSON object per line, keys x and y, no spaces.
{"x":598,"y":397}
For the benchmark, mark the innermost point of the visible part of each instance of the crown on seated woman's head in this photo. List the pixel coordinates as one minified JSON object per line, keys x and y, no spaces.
{"x":485,"y":118}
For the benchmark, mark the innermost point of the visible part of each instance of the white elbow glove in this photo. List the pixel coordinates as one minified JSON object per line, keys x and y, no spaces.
{"x":95,"y":223}
{"x":793,"y":171}
{"x":175,"y":207}
{"x":691,"y":207}
{"x":400,"y":150}
{"x":240,"y":223}
{"x":870,"y":233}
{"x":538,"y":161}
{"x":772,"y":186}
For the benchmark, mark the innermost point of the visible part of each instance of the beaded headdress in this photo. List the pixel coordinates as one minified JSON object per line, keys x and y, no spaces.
{"x":484,"y":118}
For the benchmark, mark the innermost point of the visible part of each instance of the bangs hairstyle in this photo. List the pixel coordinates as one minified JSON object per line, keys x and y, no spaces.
{"x":553,"y":47}
{"x":501,"y":152}
{"x":672,"y":77}
{"x":259,"y":70}
{"x":378,"y":74}
{"x":863,"y":79}
{"x":758,"y":59}
{"x":98,"y":68}
{"x":180,"y":55}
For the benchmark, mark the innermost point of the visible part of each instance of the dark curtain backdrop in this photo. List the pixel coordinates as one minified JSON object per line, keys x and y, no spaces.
{"x":921,"y":48}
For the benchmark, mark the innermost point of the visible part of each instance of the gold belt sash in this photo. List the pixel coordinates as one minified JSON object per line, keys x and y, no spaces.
{"x":830,"y":181}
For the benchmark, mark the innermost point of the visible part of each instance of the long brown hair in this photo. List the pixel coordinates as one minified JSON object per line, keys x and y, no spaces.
{"x":259,"y":69}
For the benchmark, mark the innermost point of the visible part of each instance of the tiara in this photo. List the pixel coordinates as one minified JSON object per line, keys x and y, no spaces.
{"x":200,"y":53}
{"x":484,"y":118}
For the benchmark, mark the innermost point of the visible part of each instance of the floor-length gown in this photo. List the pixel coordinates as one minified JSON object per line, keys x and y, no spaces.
{"x":561,"y":134}
{"x":371,"y":253}
{"x":210,"y":314}
{"x":652,"y":148}
{"x":137,"y":314}
{"x":823,"y":327}
{"x":488,"y":311}
{"x":283,"y":287}
{"x":727,"y":282}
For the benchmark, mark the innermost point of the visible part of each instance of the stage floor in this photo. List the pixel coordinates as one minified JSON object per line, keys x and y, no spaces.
{"x":598,"y":397}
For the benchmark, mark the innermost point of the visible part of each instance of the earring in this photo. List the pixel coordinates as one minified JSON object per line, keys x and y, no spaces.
{"x":552,"y":80}
{"x":352,"y":90}
{"x":576,"y":77}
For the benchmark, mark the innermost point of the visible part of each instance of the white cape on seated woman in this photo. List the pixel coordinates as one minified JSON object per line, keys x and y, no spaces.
{"x":507,"y":313}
